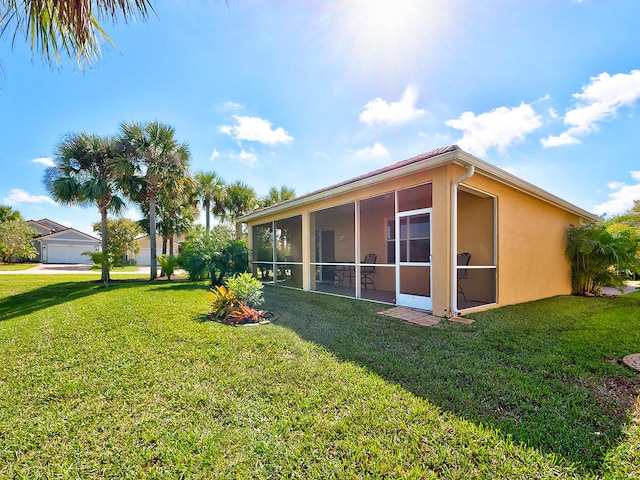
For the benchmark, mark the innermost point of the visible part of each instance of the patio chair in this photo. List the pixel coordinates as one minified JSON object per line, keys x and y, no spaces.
{"x":463,"y":260}
{"x":368,"y":270}
{"x":330,"y":273}
{"x":288,"y":269}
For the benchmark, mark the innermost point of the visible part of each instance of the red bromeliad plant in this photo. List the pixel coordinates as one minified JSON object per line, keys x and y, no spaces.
{"x":246,"y":314}
{"x":223,"y":301}
{"x":228,"y":309}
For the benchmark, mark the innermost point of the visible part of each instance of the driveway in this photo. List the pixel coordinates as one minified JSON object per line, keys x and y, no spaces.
{"x":62,"y":268}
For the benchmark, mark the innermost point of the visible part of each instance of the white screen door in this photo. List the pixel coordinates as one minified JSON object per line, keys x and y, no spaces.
{"x":413,"y":258}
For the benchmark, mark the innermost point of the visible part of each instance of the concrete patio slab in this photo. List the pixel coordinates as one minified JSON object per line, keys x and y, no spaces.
{"x":419,"y":317}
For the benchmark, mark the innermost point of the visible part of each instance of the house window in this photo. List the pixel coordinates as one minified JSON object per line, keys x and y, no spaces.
{"x":391,"y":240}
{"x":415,"y":242}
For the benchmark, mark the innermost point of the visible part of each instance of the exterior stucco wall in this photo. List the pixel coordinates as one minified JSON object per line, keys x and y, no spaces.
{"x":531,"y":237}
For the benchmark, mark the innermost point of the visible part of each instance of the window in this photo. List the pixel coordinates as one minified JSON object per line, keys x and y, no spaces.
{"x":415,"y":241}
{"x":391,"y":240}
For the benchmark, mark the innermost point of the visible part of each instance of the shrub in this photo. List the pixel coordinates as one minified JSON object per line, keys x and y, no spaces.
{"x":245,"y":314}
{"x":247,"y":288}
{"x":213,"y":255}
{"x":98,"y":257}
{"x":600,"y":256}
{"x":168,"y":264}
{"x":229,"y":308}
{"x":223,"y":302}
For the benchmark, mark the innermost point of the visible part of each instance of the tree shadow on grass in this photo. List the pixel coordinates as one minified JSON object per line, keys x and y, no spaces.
{"x":519,"y":382}
{"x":46,"y":296}
{"x":50,"y":295}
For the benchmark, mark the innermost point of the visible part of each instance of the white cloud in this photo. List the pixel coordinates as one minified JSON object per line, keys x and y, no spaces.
{"x":232,"y":105}
{"x":621,"y":197}
{"x":498,"y":128}
{"x":380,"y":112}
{"x":17,"y":197}
{"x":558,"y":140}
{"x":376,"y":150}
{"x":255,"y":129}
{"x":214,"y":155}
{"x":46,"y":161}
{"x":599,"y":101}
{"x":250,"y":158}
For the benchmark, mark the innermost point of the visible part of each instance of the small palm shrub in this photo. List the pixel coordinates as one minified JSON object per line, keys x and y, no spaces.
{"x":247,"y":288}
{"x":168,"y":264}
{"x":213,"y":255}
{"x":601,"y":256}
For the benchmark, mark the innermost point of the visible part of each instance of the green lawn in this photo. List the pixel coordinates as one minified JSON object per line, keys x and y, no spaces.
{"x":17,"y":266}
{"x":132,"y":382}
{"x":126,"y":268}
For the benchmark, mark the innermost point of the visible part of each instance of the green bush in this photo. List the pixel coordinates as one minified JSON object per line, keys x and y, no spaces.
{"x":98,"y":257}
{"x":601,"y":256}
{"x":168,"y":264}
{"x":247,"y":288}
{"x":213,"y":255}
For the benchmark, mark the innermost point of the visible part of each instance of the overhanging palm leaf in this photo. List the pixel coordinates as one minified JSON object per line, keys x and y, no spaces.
{"x":69,"y":26}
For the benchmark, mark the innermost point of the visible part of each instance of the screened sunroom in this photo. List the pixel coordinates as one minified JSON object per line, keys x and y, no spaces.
{"x":443,"y":232}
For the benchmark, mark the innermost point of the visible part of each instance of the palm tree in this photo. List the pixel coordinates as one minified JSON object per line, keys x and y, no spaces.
{"x":278,"y":195}
{"x":601,"y":255}
{"x":210,"y":191}
{"x":154,"y":161}
{"x":55,"y":26}
{"x":85,"y":173}
{"x":175,"y":213}
{"x":240,"y":200}
{"x":7,"y":213}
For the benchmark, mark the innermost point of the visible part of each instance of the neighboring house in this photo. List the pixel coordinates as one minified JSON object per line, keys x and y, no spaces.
{"x":399,"y":234}
{"x":59,"y":244}
{"x":143,"y":257}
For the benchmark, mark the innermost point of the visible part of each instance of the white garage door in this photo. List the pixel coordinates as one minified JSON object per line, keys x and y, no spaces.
{"x":143,"y":258}
{"x":67,"y":254}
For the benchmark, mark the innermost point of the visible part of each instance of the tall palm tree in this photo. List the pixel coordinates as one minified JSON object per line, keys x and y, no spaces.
{"x":277,"y":195}
{"x":210,"y":191}
{"x":175,"y":213}
{"x":72,"y":27}
{"x":240,"y":199}
{"x":85,"y":173}
{"x":7,"y":213}
{"x":154,"y":161}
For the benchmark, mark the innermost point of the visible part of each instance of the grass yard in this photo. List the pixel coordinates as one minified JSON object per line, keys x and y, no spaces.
{"x":131,"y":382}
{"x":16,"y":266}
{"x":124,"y":268}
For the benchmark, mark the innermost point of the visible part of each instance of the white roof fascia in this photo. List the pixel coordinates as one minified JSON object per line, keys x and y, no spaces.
{"x":507,"y":178}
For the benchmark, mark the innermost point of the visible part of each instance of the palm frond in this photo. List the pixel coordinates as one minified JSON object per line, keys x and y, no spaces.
{"x":68,"y":26}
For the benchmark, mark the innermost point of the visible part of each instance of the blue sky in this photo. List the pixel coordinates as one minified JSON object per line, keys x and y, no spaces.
{"x":307,"y":94}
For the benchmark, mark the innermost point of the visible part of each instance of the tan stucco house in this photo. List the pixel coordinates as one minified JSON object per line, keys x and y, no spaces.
{"x":57,"y":243}
{"x":444,"y":231}
{"x":143,"y":257}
